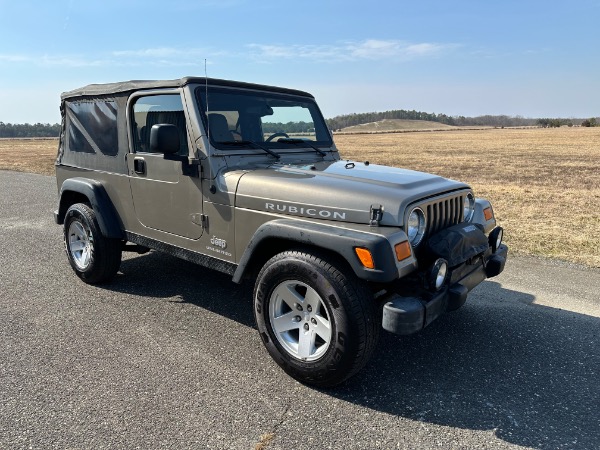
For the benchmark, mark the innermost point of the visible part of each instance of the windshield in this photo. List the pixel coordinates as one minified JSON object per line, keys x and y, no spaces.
{"x":241,"y":119}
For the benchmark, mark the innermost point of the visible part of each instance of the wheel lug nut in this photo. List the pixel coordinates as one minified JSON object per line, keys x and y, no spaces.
{"x":299,"y":307}
{"x":314,"y":321}
{"x":309,"y":308}
{"x":306,"y":326}
{"x":297,"y":318}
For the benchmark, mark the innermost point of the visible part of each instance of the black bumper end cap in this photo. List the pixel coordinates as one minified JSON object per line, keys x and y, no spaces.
{"x":457,"y":296}
{"x":495,"y":265}
{"x":403,"y":315}
{"x":408,"y":315}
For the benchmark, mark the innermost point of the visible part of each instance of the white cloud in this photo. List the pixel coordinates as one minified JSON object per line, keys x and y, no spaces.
{"x":372,"y":49}
{"x":13,"y":58}
{"x":159,"y":56}
{"x":168,"y":52}
{"x":54,"y":60}
{"x":166,"y":56}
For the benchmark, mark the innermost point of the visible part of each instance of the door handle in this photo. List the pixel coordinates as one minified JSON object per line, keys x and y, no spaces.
{"x":139,"y":166}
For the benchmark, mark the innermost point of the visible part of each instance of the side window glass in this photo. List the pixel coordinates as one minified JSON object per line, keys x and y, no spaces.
{"x":155,"y":109}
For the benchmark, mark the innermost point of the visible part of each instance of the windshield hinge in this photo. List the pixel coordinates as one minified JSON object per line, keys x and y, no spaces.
{"x":375,"y":215}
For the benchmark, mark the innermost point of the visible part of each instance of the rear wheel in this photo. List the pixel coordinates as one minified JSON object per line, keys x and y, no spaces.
{"x":318,"y":323}
{"x":94,"y":257}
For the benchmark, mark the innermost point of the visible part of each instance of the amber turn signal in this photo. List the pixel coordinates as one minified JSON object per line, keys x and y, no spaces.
{"x":365,"y":257}
{"x":487,"y":213}
{"x":402,"y":250}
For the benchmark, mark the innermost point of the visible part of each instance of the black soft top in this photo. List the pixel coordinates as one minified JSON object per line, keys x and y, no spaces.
{"x":128,"y":86}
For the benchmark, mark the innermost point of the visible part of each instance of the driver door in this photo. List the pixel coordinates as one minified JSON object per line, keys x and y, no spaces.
{"x":164,"y":199}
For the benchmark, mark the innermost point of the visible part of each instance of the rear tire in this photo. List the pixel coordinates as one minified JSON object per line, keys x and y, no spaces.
{"x":94,"y":257}
{"x":316,"y":322}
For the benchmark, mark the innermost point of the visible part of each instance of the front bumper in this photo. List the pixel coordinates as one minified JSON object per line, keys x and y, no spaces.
{"x":409,"y":314}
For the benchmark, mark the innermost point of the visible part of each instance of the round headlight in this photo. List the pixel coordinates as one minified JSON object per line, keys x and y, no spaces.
{"x":469,"y":207}
{"x":416,"y":226}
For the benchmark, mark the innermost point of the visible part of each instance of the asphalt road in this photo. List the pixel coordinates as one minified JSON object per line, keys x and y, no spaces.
{"x":167,"y":356}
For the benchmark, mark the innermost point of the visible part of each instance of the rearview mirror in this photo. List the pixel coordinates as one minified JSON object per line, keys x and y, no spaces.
{"x":261,"y":110}
{"x":164,"y":138}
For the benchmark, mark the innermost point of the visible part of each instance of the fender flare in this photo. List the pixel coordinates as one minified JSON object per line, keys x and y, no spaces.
{"x":332,"y":238}
{"x":106,"y":215}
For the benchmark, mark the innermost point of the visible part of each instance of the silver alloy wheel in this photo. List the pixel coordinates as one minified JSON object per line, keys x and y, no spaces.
{"x":300,"y":320}
{"x":79,"y":245}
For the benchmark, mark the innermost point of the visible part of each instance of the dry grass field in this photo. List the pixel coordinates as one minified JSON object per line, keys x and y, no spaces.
{"x":28,"y":155}
{"x":544,"y":183}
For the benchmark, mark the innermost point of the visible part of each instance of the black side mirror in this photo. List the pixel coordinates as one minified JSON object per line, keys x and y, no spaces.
{"x":164,"y":138}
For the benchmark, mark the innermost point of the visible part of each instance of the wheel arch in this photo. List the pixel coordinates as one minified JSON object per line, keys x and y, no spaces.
{"x":92,"y":192}
{"x":277,"y":236}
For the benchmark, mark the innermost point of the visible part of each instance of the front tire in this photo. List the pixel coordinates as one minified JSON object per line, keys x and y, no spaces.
{"x":94,"y":257}
{"x":316,"y":322}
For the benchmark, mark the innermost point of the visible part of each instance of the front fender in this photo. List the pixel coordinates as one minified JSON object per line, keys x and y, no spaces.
{"x":338,"y":239}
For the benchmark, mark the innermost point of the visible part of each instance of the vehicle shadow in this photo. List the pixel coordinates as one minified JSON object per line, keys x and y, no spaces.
{"x":527,"y":372}
{"x":158,"y":275}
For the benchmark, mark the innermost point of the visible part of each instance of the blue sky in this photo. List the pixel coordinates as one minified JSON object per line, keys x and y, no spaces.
{"x":529,"y":58}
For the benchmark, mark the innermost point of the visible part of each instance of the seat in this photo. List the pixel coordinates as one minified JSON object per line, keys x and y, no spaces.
{"x":219,"y":128}
{"x":176,"y":118}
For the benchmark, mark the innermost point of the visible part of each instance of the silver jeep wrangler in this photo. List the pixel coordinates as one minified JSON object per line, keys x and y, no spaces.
{"x":246,"y":179}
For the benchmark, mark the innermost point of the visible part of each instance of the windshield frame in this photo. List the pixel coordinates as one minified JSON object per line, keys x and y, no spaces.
{"x":281,"y":147}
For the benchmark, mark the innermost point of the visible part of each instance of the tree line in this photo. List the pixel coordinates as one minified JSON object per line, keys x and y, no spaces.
{"x":348,"y":120}
{"x":9,"y":130}
{"x":20,"y":130}
{"x":290,"y":127}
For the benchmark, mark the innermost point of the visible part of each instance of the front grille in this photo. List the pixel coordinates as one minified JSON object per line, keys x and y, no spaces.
{"x":443,"y":213}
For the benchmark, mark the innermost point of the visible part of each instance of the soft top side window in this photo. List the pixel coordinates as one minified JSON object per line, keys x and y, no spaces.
{"x":93,"y":127}
{"x":152,"y":110}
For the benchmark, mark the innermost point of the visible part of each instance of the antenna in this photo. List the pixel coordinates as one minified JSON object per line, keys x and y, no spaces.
{"x":206,"y":97}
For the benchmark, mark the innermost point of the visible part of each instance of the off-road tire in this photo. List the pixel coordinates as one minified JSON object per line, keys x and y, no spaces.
{"x":349,"y":309}
{"x":94,"y":257}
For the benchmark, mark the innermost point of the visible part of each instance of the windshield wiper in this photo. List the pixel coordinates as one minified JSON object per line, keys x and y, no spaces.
{"x":303,"y":142}
{"x":251,"y":143}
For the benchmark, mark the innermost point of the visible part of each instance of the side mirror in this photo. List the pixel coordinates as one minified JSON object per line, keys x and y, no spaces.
{"x":164,"y":138}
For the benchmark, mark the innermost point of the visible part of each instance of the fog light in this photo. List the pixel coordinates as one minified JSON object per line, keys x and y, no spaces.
{"x":495,"y":238}
{"x":437,"y":274}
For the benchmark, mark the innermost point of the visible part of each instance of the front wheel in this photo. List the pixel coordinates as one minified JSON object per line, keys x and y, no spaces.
{"x":94,"y":257}
{"x":316,"y":322}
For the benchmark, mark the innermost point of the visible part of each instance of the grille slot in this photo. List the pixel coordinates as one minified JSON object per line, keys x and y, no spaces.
{"x":443,"y":214}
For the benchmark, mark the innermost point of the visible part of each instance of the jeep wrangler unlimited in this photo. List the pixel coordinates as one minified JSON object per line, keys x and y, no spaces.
{"x":246,"y":179}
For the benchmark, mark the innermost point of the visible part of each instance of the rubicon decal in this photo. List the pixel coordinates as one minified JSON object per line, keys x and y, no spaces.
{"x":306,"y":211}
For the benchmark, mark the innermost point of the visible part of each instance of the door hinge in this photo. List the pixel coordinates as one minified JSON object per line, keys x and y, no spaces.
{"x":200,"y":219}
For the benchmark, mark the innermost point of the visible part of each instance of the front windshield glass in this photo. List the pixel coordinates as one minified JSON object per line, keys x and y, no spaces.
{"x":242,"y":119}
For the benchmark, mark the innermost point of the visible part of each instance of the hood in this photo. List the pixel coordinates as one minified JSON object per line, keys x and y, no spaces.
{"x":339,"y":190}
